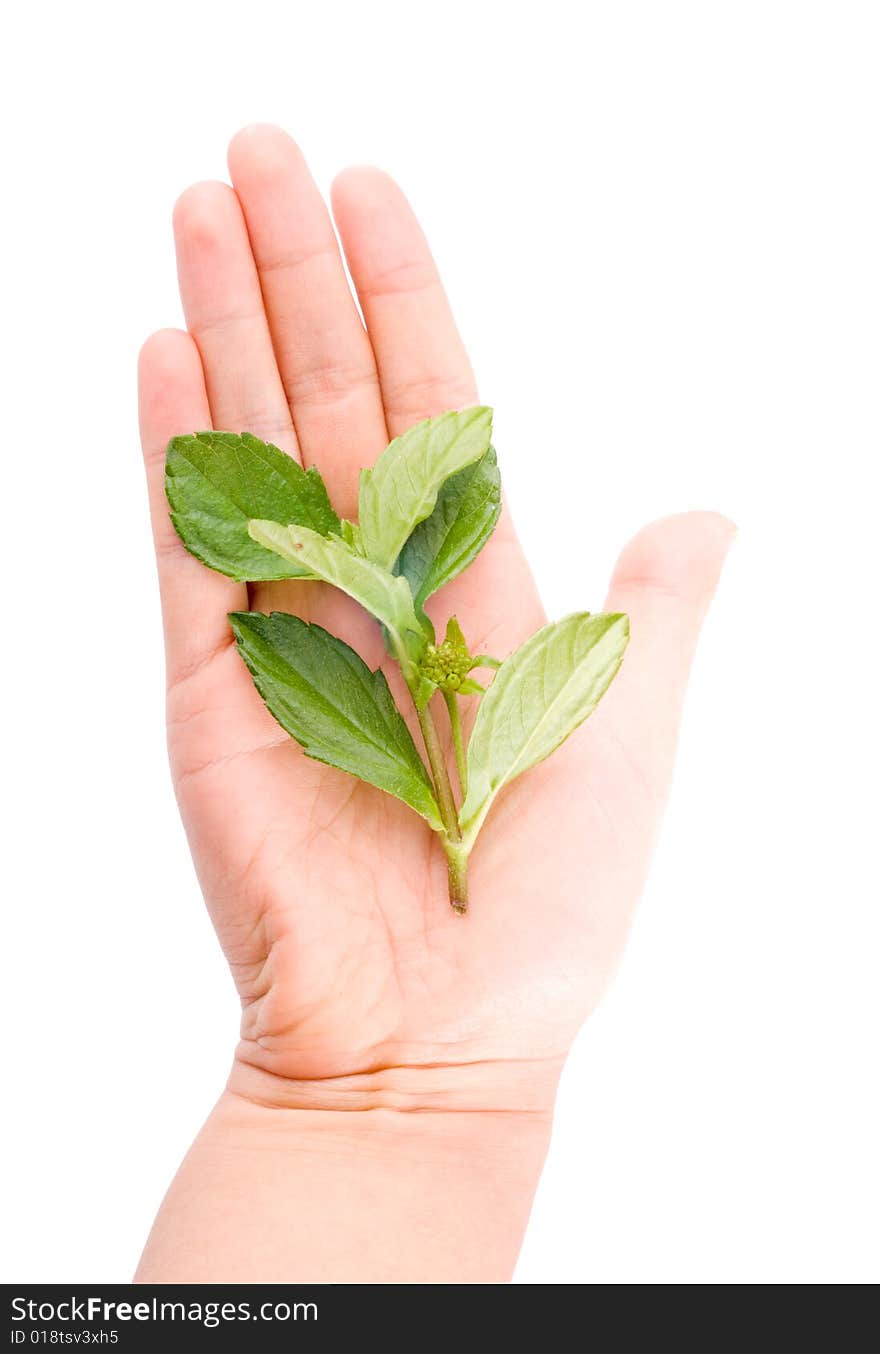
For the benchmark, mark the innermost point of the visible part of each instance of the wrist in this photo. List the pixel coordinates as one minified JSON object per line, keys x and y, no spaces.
{"x":518,"y":1089}
{"x":457,"y":1154}
{"x":398,"y":1175}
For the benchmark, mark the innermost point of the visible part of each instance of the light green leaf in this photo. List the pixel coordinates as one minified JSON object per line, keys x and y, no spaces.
{"x":339,"y":711}
{"x":540,"y":695}
{"x":463,"y":519}
{"x":401,"y":489}
{"x":384,"y":596}
{"x":216,"y":482}
{"x":350,"y":533}
{"x":423,"y":691}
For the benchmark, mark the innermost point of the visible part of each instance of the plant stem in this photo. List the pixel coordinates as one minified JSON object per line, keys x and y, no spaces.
{"x":456,"y":854}
{"x":451,"y":700}
{"x":442,"y":783}
{"x":456,"y":864}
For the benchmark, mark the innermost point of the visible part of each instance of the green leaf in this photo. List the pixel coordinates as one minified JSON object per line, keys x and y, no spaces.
{"x":423,"y":691}
{"x":401,"y":489}
{"x":349,"y":532}
{"x":340,"y":712}
{"x":463,"y":519}
{"x":384,"y":596}
{"x":540,"y":695}
{"x":216,"y":482}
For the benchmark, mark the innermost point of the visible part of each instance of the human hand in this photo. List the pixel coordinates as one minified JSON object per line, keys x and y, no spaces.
{"x":357,"y":983}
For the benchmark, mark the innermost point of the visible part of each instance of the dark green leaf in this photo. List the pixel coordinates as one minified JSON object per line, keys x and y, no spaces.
{"x":463,"y":519}
{"x":339,"y":711}
{"x":217,"y":482}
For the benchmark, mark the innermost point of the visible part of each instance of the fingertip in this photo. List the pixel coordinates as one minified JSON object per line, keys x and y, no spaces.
{"x":681,"y":555}
{"x":171,"y":390}
{"x":168,"y":356}
{"x":260,"y":148}
{"x":365,"y":189}
{"x":363,"y":178}
{"x":718,"y":523}
{"x":200,"y":211}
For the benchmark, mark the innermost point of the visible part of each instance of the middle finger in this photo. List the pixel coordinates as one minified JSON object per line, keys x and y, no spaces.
{"x":323,"y":353}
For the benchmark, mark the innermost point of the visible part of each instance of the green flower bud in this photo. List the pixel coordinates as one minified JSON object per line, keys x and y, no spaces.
{"x":447,"y":664}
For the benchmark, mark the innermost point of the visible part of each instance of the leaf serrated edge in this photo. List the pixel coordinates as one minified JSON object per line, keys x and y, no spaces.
{"x":417,"y":769}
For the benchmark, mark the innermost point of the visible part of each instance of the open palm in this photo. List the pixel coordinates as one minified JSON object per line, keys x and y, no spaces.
{"x":329,"y":897}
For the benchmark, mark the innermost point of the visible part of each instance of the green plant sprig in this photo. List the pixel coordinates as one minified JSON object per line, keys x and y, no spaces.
{"x":425,"y":510}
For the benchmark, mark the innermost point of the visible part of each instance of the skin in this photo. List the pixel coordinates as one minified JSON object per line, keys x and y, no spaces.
{"x":389,"y":1103}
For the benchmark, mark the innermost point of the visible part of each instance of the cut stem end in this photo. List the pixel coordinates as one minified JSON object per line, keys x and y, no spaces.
{"x":457,"y":863}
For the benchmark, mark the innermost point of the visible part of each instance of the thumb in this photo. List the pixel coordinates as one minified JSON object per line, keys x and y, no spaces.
{"x":664,"y":580}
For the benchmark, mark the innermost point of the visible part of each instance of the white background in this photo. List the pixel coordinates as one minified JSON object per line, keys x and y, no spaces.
{"x":659,"y":225}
